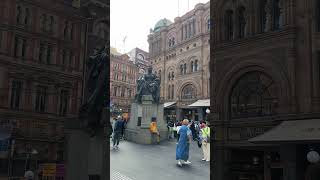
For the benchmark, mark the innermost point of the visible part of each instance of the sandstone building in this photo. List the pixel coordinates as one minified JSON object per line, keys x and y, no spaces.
{"x":179,"y":53}
{"x":123,"y":76}
{"x":43,"y":47}
{"x":265,"y":88}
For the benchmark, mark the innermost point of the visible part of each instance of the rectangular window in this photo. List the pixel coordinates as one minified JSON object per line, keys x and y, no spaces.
{"x":41,"y":52}
{"x":23,"y":49}
{"x":114,"y":91}
{"x":122,"y":92}
{"x":16,"y":44}
{"x":64,"y":101}
{"x":20,"y":46}
{"x":318,"y":15}
{"x":49,"y":54}
{"x":130,"y":92}
{"x":0,"y":39}
{"x":41,"y":99}
{"x":318,"y":53}
{"x":16,"y":94}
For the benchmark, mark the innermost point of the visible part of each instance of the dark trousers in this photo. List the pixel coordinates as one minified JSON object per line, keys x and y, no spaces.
{"x":116,"y":138}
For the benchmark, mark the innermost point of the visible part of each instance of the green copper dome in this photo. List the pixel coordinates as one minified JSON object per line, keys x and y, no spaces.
{"x":162,"y":23}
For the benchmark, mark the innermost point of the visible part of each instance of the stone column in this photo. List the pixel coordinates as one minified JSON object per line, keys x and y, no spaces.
{"x":77,"y":155}
{"x":3,"y":87}
{"x":268,"y":9}
{"x":200,"y":112}
{"x":218,"y":161}
{"x":178,"y":114}
{"x":97,"y":157}
{"x":288,"y":157}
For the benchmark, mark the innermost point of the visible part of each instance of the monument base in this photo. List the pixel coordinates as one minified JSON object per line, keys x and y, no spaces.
{"x":141,"y":116}
{"x":87,"y":157}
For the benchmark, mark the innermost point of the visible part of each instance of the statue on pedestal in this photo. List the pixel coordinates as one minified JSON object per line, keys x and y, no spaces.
{"x":148,"y":84}
{"x":95,"y":91}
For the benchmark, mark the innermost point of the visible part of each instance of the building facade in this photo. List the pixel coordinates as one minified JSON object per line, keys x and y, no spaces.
{"x":123,"y":76}
{"x":140,"y":59}
{"x":265,"y":88}
{"x":41,"y":71}
{"x":179,"y":53}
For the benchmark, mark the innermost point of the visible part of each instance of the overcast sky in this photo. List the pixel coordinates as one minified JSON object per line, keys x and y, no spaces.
{"x":134,"y":18}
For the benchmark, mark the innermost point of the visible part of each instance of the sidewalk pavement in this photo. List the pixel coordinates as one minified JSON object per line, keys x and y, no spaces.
{"x":156,"y":162}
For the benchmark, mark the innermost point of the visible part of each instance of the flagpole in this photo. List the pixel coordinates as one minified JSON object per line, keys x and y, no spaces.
{"x":178,"y":8}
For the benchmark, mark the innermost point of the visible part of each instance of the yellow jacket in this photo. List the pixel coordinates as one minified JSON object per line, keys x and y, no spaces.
{"x":153,"y":127}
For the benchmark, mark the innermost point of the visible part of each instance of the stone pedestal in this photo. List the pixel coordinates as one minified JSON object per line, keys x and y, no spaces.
{"x":76,"y":155}
{"x":141,"y":115}
{"x":87,"y":157}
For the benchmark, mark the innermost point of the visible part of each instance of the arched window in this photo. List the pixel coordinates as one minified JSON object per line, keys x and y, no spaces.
{"x":169,"y":90}
{"x":277,"y":12}
{"x":255,"y":94}
{"x":172,"y":91}
{"x":188,"y":92}
{"x":173,"y":41}
{"x":192,"y":66}
{"x":229,"y":24}
{"x":241,"y":22}
{"x":51,"y":23}
{"x":172,"y":75}
{"x":181,"y":69}
{"x":318,"y":15}
{"x":169,"y":76}
{"x":196,"y":65}
{"x":18,"y":14}
{"x":263,"y":16}
{"x":185,"y":68}
{"x":27,"y":17}
{"x":169,"y":42}
{"x":65,"y":30}
{"x":208,"y":24}
{"x":43,"y":22}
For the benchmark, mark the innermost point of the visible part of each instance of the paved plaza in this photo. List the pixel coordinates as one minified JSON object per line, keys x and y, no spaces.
{"x":155,"y":162}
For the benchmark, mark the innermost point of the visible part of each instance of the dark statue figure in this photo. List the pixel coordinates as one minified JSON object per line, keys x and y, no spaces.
{"x":148,"y":84}
{"x":95,"y":91}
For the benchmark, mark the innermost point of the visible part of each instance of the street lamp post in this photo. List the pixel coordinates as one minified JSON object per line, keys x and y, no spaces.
{"x":207,"y":113}
{"x":313,"y":156}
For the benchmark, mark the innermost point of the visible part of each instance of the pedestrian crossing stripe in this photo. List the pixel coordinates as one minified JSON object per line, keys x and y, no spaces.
{"x":118,"y":176}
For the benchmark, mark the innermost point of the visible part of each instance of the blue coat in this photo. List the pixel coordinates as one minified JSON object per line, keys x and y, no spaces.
{"x":182,"y":151}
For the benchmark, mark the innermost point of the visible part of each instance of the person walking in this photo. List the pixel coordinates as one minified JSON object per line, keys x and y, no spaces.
{"x":182,"y":150}
{"x":178,"y":128}
{"x":170,"y":130}
{"x":117,"y":132}
{"x":193,"y":130}
{"x":205,"y":139}
{"x":155,"y":135}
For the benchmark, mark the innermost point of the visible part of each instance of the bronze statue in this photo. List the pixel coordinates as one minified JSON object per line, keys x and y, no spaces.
{"x":95,"y":91}
{"x":148,"y":84}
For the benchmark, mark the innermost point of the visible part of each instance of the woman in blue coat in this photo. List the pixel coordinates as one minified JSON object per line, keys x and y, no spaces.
{"x":182,"y":151}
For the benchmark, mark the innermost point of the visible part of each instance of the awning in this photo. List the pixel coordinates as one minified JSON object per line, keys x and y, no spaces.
{"x":201,"y":103}
{"x":291,"y":131}
{"x":168,"y":104}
